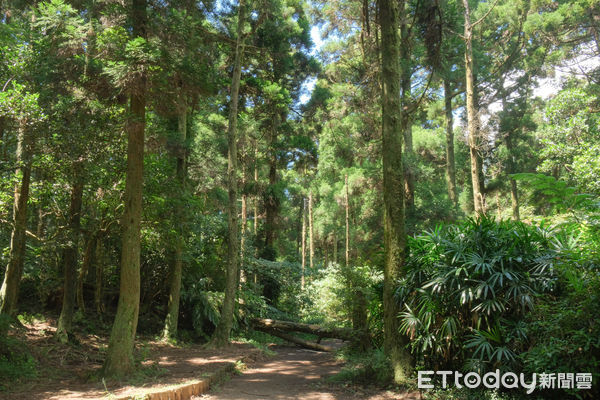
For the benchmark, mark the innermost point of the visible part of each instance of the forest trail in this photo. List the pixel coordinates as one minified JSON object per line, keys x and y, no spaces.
{"x":295,"y":373}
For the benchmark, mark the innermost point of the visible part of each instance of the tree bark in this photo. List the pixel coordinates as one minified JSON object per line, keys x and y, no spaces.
{"x":472,"y":115}
{"x":9,"y":292}
{"x":393,"y":187}
{"x":170,"y":328}
{"x":223,"y":330}
{"x":450,"y":163}
{"x":70,"y":259}
{"x":119,"y":357}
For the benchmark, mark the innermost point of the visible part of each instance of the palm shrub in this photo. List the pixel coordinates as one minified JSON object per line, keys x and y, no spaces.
{"x":467,"y":288}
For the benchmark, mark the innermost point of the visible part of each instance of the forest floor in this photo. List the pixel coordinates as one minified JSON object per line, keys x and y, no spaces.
{"x":72,"y":371}
{"x":296,"y":373}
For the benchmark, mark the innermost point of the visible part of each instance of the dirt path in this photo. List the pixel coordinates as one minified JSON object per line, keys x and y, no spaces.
{"x":294,"y":373}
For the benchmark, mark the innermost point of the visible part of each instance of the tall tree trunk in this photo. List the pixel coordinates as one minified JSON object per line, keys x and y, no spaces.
{"x":223,"y":330}
{"x":335,"y":248}
{"x":86,"y":264}
{"x":99,"y":276}
{"x":69,"y":255}
{"x":9,"y":292}
{"x":347,"y":209}
{"x":405,"y":85}
{"x":271,"y":200}
{"x":311,"y":238}
{"x":119,"y":356}
{"x":256,"y":197}
{"x":303,"y":242}
{"x":450,"y":164}
{"x":170,"y":328}
{"x":472,"y":115}
{"x":393,"y":185}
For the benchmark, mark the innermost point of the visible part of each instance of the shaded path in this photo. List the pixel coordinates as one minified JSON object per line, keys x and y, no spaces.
{"x":294,"y":373}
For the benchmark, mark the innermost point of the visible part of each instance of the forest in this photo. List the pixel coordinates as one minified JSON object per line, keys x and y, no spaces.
{"x":418,"y":180}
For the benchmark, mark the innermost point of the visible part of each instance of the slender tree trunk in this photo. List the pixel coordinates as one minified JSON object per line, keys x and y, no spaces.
{"x":271,"y":201}
{"x":325,"y":252}
{"x":303,"y":242}
{"x":256,"y":197}
{"x":405,"y":84}
{"x":9,"y":292}
{"x":119,"y":357}
{"x":347,"y":209}
{"x":311,"y":238}
{"x":99,"y":276}
{"x":170,"y":328}
{"x":223,"y":330}
{"x":335,"y":248}
{"x":86,"y":264}
{"x":450,"y":164}
{"x":70,"y":260}
{"x":393,"y":184}
{"x":472,"y":115}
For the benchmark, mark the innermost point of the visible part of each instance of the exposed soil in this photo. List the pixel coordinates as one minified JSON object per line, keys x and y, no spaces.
{"x":295,"y":373}
{"x":71,"y":371}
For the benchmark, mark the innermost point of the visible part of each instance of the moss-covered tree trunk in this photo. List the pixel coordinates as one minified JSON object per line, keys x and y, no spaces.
{"x":223,"y":330}
{"x":119,"y":356}
{"x":450,"y":163}
{"x":9,"y":293}
{"x":393,"y":187}
{"x":170,"y":328}
{"x":70,"y":255}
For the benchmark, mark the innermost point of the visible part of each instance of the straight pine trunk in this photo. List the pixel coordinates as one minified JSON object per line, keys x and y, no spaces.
{"x":450,"y":163}
{"x":472,"y":115}
{"x":9,"y":292}
{"x":170,"y":328}
{"x":311,"y":238}
{"x":88,"y":253}
{"x":223,"y":330}
{"x":70,"y":254}
{"x":393,"y":187}
{"x":303,"y":239}
{"x":99,"y":277}
{"x":119,"y":357}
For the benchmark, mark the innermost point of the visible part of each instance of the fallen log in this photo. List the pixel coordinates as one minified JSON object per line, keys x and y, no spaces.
{"x":296,"y":340}
{"x":321,"y":332}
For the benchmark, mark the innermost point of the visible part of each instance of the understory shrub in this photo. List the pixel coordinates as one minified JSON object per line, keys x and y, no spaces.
{"x":485,"y":295}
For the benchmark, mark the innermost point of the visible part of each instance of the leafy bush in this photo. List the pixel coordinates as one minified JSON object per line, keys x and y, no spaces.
{"x":16,"y":363}
{"x":371,"y":368}
{"x":467,"y":289}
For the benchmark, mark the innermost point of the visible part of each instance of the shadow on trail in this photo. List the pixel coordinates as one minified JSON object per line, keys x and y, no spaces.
{"x":295,"y":373}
